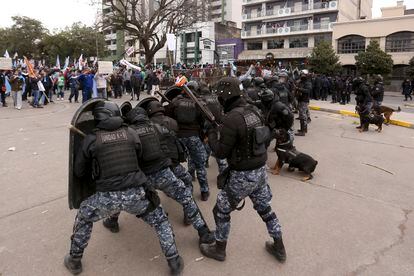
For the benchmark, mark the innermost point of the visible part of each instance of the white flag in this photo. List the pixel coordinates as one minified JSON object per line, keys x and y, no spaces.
{"x":6,"y":54}
{"x":57,"y":62}
{"x":15,"y":55}
{"x":171,"y":41}
{"x":66,"y":63}
{"x":80,"y":62}
{"x":130,"y":51}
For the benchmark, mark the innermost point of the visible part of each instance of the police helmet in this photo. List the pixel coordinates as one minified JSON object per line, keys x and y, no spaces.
{"x":154,"y":107}
{"x":228,"y":87}
{"x":267,"y":95}
{"x":136,"y":114}
{"x":304,"y":72}
{"x":258,"y":81}
{"x":105,"y":110}
{"x":193,"y":85}
{"x":379,"y":78}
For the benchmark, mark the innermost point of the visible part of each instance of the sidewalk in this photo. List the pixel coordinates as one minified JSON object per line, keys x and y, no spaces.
{"x":403,"y":119}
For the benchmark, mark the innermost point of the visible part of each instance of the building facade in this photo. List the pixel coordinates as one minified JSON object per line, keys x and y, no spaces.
{"x":222,"y":11}
{"x":288,"y":29}
{"x":394,"y":31}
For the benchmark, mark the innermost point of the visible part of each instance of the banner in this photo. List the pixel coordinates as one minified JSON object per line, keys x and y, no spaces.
{"x":105,"y":67}
{"x":5,"y":63}
{"x":30,"y":69}
{"x":171,"y":41}
{"x":130,"y":65}
{"x":130,"y":51}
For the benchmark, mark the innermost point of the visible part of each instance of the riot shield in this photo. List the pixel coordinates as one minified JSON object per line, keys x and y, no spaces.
{"x":144,"y":103}
{"x":125,"y":108}
{"x":83,"y":123}
{"x":172,"y":92}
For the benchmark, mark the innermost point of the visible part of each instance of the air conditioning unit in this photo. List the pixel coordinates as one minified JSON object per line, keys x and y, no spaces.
{"x":333,"y":4}
{"x":280,"y":30}
{"x":288,"y":10}
{"x":244,"y":16}
{"x":286,"y":30}
{"x":280,"y":12}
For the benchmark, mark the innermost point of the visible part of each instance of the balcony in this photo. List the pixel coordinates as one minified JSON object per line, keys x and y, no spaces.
{"x":285,"y":31}
{"x":290,"y":11}
{"x":247,"y":2}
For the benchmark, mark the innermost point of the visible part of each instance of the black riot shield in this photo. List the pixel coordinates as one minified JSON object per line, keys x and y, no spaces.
{"x":172,"y":92}
{"x":144,"y":103}
{"x":82,"y":124}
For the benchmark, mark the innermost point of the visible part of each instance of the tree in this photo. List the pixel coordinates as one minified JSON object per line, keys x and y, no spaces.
{"x":23,"y":36}
{"x":74,"y":41}
{"x":323,"y":59}
{"x":150,"y":26}
{"x":374,"y":60}
{"x":410,"y":70}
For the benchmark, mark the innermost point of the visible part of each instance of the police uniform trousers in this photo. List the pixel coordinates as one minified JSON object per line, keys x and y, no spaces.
{"x":104,"y":204}
{"x":241,"y":184}
{"x":181,"y":173}
{"x":165,"y":180}
{"x":198,"y":156}
{"x":221,"y":163}
{"x":303,"y":111}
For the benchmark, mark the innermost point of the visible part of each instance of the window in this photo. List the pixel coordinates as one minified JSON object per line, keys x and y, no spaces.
{"x":254,"y":45}
{"x":351,"y":44}
{"x":191,"y":37}
{"x":113,"y":52}
{"x":400,"y":42}
{"x":275,"y":44}
{"x":298,"y":42}
{"x":323,"y":37}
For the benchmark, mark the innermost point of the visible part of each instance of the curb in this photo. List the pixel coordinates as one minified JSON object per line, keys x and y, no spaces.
{"x":353,"y":114}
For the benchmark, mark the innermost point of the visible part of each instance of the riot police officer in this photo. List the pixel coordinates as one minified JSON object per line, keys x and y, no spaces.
{"x":377,"y":92}
{"x":363,"y":103}
{"x":111,"y":153}
{"x":281,"y":88}
{"x":155,"y":164}
{"x":242,"y":139}
{"x":303,"y":91}
{"x":190,"y":122}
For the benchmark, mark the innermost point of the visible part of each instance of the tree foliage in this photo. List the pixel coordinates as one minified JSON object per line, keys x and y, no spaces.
{"x":374,"y":60}
{"x":28,"y":37}
{"x":23,"y":36}
{"x":323,"y":59}
{"x":150,"y":25}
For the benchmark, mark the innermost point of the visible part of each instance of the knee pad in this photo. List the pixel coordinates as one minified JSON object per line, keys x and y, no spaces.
{"x":267,"y":214}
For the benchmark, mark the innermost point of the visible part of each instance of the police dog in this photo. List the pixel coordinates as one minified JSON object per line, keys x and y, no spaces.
{"x":287,"y":153}
{"x":387,"y":112}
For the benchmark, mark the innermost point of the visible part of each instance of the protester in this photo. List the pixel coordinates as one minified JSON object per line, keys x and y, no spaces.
{"x":3,"y":88}
{"x":74,"y":86}
{"x":101,"y":85}
{"x":35,"y":90}
{"x":61,"y":87}
{"x":17,"y":82}
{"x":136,"y":82}
{"x":86,"y":80}
{"x":48,"y":86}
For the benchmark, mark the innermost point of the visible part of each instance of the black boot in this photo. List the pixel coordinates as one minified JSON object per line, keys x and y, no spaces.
{"x":205,"y":236}
{"x":176,"y":265}
{"x":111,"y":223}
{"x":301,"y":132}
{"x":205,"y":196}
{"x":72,"y":264}
{"x":215,"y":251}
{"x":277,"y":249}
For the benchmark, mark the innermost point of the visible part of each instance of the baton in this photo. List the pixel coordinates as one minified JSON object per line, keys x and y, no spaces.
{"x":77,"y":130}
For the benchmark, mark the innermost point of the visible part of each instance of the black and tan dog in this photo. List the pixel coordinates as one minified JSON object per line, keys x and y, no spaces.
{"x":387,"y":112}
{"x":287,"y":153}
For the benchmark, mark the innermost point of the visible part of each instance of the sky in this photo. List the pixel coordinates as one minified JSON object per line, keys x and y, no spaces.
{"x":56,"y":14}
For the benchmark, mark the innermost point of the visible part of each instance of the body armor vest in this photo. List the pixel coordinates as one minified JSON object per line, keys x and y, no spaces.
{"x":254,"y":143}
{"x":115,"y":154}
{"x":282,"y":92}
{"x":151,"y":149}
{"x":186,"y":112}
